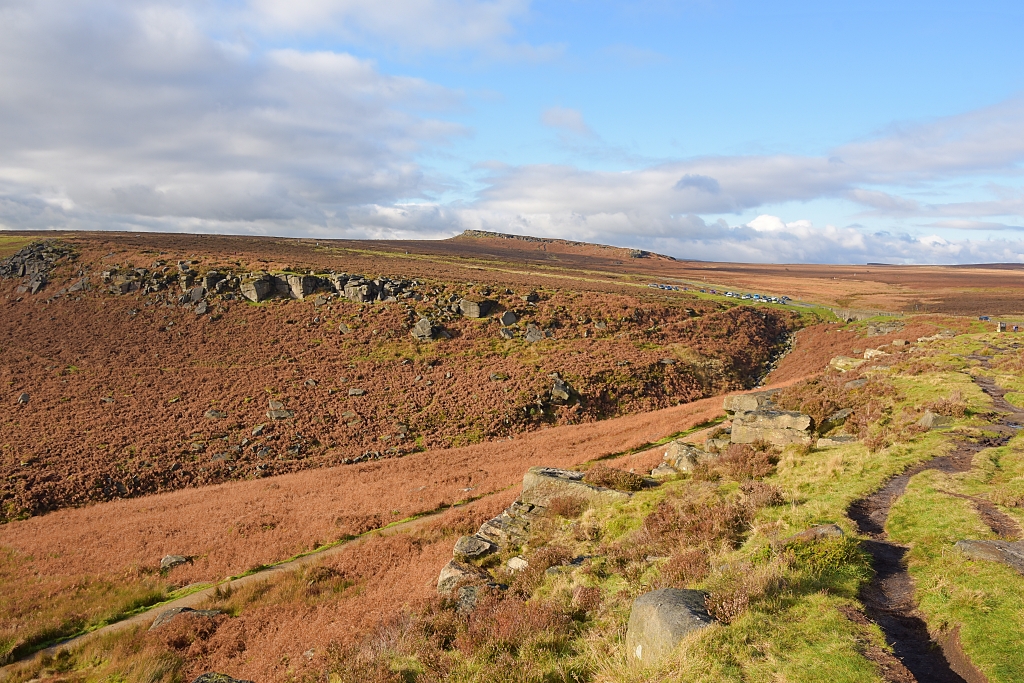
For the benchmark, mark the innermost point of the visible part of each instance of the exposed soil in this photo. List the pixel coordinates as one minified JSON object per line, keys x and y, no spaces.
{"x":1001,"y":524}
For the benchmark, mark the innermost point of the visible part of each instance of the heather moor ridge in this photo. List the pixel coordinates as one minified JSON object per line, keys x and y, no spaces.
{"x":490,"y":458}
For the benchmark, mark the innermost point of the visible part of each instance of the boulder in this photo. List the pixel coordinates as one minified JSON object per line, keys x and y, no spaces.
{"x":683,"y":457}
{"x":215,"y":414}
{"x":834,"y":441}
{"x":815,"y":533}
{"x":506,"y":333}
{"x":424,"y":330}
{"x":196,"y":293}
{"x":455,"y":572}
{"x":517,"y":564}
{"x":777,"y":427}
{"x":660,"y":619}
{"x":171,"y":561}
{"x":214,"y":677}
{"x":472,"y":547}
{"x":748,"y":403}
{"x":23,"y":399}
{"x":201,"y":308}
{"x":874,"y":353}
{"x":834,"y":420}
{"x":255,"y":290}
{"x":280,"y":414}
{"x":168,"y":615}
{"x":855,"y":384}
{"x":542,"y":484}
{"x":663,"y":470}
{"x":533,"y":333}
{"x":511,"y":526}
{"x":1010,"y":553}
{"x":845,"y":363}
{"x":301,"y":286}
{"x":560,"y":391}
{"x":360,"y":291}
{"x":932,"y":420}
{"x":716,"y":445}
{"x":475,"y":308}
{"x":508,"y":318}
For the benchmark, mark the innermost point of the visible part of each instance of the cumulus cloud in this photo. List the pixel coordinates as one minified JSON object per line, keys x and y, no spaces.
{"x":137,"y":113}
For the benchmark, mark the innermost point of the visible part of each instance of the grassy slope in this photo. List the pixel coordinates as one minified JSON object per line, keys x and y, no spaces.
{"x":794,"y":629}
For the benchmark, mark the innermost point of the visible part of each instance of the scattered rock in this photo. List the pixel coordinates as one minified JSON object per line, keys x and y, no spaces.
{"x":845,"y":363}
{"x":275,"y":405}
{"x":311,"y":382}
{"x":815,"y":533}
{"x":320,"y":300}
{"x":517,"y":564}
{"x":356,"y":392}
{"x":533,"y":333}
{"x":23,"y":399}
{"x":1010,"y":553}
{"x":542,"y":484}
{"x":855,"y":384}
{"x":280,"y":414}
{"x":506,"y":333}
{"x":662,"y":470}
{"x":343,"y":328}
{"x":932,"y":420}
{"x":214,"y":677}
{"x":424,"y":330}
{"x":472,"y":547}
{"x":874,"y":353}
{"x":560,"y":391}
{"x":475,"y":308}
{"x":833,"y":441}
{"x":899,"y":342}
{"x":508,"y":318}
{"x":168,"y":615}
{"x":215,"y":414}
{"x":171,"y":561}
{"x":454,"y":573}
{"x":660,"y":619}
{"x":201,"y":308}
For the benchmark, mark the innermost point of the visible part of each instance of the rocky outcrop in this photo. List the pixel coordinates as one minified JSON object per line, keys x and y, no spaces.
{"x":748,"y":403}
{"x":1010,"y":553}
{"x":455,"y":573}
{"x":424,"y":330}
{"x":660,"y":619}
{"x":777,"y":427}
{"x":475,"y":307}
{"x":543,"y":484}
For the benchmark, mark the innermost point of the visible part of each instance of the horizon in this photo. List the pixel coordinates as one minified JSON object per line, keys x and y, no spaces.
{"x":705,"y":131}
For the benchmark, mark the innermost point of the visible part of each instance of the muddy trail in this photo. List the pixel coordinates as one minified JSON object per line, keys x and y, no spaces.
{"x":889,"y":597}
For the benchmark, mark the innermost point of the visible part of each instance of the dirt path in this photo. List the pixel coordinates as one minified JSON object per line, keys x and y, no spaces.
{"x":889,"y":597}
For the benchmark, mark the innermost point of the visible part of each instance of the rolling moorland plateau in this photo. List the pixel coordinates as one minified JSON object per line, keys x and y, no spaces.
{"x":498,"y":458}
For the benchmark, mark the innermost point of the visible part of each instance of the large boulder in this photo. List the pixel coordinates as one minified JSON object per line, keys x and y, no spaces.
{"x":455,"y":573}
{"x":748,"y":403}
{"x":777,"y":427}
{"x":543,"y":484}
{"x":301,"y":286}
{"x":1010,"y":553}
{"x":472,"y":547}
{"x":475,"y":308}
{"x":660,"y":619}
{"x":683,"y":457}
{"x":424,"y":330}
{"x":256,"y":289}
{"x":361,"y":291}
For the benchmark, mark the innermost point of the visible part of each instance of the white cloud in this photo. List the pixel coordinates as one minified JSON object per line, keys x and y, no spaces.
{"x":566,"y":119}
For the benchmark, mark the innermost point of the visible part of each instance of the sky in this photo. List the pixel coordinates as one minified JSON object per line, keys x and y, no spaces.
{"x":782,"y":132}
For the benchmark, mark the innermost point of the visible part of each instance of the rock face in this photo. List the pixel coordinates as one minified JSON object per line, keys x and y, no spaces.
{"x":542,"y":484}
{"x":169,"y":614}
{"x":475,"y":308}
{"x":1010,"y":553}
{"x":660,"y":619}
{"x":777,"y":427}
{"x":257,"y":289}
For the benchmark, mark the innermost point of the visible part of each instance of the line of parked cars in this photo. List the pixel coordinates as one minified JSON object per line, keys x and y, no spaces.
{"x":733,"y":295}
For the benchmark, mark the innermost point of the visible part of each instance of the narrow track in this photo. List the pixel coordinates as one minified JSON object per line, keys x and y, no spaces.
{"x":889,"y":597}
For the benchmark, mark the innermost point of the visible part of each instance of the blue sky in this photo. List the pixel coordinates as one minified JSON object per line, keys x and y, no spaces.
{"x":784,"y":131}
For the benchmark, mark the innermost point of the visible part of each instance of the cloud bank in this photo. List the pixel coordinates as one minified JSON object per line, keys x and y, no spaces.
{"x":171,"y":116}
